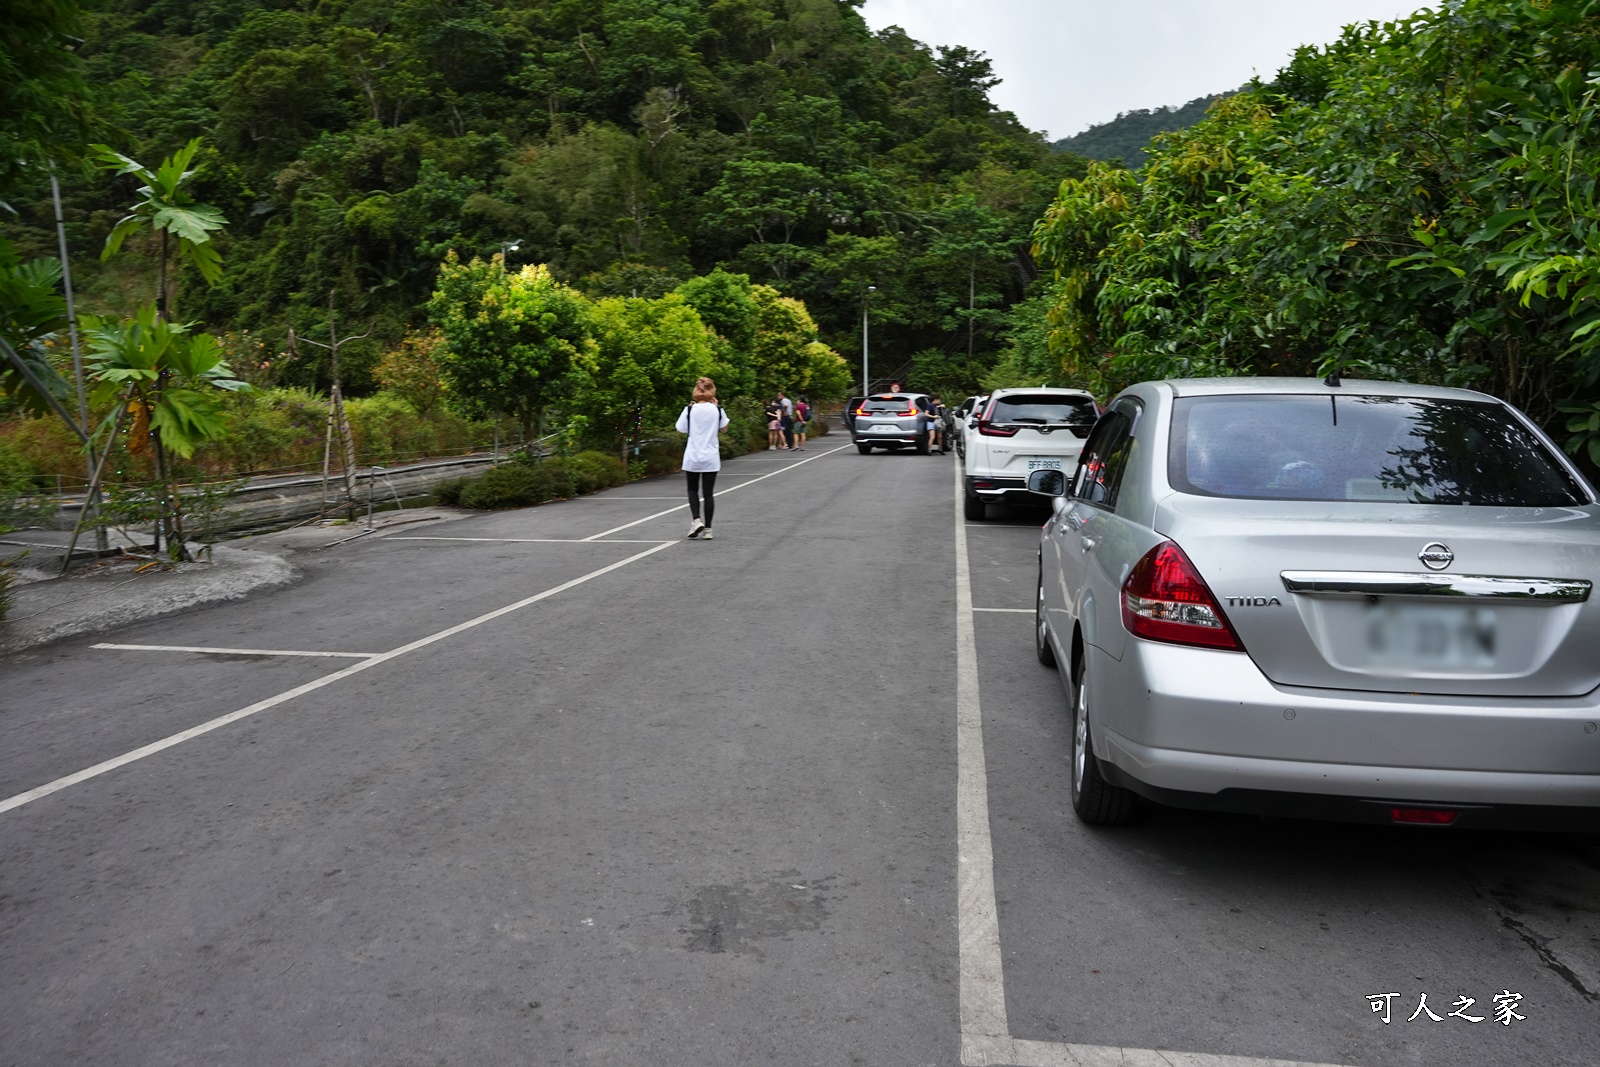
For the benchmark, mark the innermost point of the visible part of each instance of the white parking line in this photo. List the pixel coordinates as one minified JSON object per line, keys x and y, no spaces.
{"x":730,"y":489}
{"x":532,"y":540}
{"x":1008,"y":611}
{"x":237,"y":651}
{"x":985,"y":1031}
{"x":301,"y":690}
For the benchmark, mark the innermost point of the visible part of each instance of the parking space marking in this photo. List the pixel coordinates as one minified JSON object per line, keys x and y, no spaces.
{"x":731,"y":489}
{"x":1008,"y":611}
{"x":533,"y":540}
{"x":154,"y":747}
{"x":982,"y":989}
{"x":237,"y":651}
{"x":287,"y":695}
{"x":1019,"y":1053}
{"x":985,"y":1030}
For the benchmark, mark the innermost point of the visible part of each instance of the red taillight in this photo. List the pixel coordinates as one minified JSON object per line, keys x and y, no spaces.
{"x":1423,"y":816}
{"x":908,"y":411}
{"x":1165,"y":599}
{"x":989,"y":429}
{"x":862,"y":410}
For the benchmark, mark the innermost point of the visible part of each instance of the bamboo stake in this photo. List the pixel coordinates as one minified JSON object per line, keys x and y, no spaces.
{"x":94,"y":479}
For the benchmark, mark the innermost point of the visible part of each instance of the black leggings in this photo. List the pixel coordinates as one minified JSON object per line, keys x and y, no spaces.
{"x":695,"y":483}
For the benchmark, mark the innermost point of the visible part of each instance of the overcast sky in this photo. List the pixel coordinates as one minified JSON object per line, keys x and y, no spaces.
{"x":1067,"y":65}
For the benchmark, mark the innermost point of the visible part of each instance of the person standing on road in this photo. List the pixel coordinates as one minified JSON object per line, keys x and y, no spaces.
{"x":786,"y":419}
{"x":936,"y":441}
{"x":802,"y":419}
{"x":774,"y":425}
{"x":702,"y":421}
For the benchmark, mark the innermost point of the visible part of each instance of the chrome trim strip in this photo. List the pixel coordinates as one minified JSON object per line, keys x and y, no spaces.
{"x":1384,"y":583}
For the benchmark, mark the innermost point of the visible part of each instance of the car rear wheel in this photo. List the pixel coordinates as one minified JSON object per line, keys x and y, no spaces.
{"x":1041,"y":628}
{"x":973,"y":507}
{"x":865,"y":450}
{"x":1094,"y":800}
{"x":922,"y":445}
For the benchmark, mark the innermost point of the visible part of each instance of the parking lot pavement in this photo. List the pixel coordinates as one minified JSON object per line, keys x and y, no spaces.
{"x":641,"y":801}
{"x":1227,"y":935}
{"x":636,"y":800}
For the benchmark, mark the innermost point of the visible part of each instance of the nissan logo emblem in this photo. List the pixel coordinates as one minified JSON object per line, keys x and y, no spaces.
{"x":1436,"y":557}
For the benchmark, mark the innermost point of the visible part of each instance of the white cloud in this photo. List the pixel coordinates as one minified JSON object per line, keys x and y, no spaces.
{"x":1069,"y":64}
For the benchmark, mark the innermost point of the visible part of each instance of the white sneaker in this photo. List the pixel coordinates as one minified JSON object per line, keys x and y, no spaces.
{"x":696,"y":527}
{"x":706,"y":535}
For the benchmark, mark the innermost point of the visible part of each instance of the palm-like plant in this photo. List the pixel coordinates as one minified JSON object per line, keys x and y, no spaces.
{"x":166,"y":206}
{"x":164,"y":375}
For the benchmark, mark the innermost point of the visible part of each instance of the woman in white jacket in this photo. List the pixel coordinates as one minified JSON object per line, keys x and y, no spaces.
{"x":702,"y":421}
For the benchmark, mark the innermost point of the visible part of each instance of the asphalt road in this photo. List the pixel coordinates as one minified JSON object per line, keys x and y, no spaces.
{"x":593,"y":794}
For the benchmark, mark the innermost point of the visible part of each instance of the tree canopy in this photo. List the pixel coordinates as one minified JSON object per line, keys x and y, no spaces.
{"x":1416,"y":200}
{"x":351,"y":144}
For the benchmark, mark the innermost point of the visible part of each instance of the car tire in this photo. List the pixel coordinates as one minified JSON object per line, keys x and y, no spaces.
{"x":1094,"y":800}
{"x":865,"y":450}
{"x":973,"y":508}
{"x":922,"y":445}
{"x":1041,"y":627}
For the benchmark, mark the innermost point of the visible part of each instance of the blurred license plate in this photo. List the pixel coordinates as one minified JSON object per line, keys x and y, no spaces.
{"x":884,"y":428}
{"x":1427,"y":635}
{"x":1038,"y":464}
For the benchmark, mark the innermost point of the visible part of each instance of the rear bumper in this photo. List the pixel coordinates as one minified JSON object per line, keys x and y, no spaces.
{"x":997,"y":490}
{"x":909,"y":437}
{"x":1207,"y":729}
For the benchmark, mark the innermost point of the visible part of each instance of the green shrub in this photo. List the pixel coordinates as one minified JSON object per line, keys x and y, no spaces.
{"x":517,"y":484}
{"x":747,"y":427}
{"x":662,"y":457}
{"x":552,"y":482}
{"x":507,"y":486}
{"x":449,"y":493}
{"x":593,"y":471}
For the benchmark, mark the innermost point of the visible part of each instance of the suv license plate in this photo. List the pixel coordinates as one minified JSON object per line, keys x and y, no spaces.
{"x":1040,"y":464}
{"x":1417,"y":635}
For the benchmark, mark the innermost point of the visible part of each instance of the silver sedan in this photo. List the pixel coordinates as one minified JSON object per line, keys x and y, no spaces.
{"x":1366,"y":601}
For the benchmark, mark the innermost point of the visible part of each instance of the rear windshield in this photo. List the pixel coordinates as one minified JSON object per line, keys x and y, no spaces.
{"x":885,"y":403}
{"x":1044,"y":410}
{"x":1363,"y":448}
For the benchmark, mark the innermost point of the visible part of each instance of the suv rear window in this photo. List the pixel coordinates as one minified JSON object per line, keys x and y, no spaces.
{"x":1363,"y":448}
{"x":880,"y":404}
{"x":1043,"y":410}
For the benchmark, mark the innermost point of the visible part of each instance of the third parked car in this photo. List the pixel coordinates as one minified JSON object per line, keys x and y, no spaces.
{"x":1016,"y":432}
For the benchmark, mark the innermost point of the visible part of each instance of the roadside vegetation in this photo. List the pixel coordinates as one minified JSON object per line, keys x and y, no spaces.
{"x":1415,"y":201}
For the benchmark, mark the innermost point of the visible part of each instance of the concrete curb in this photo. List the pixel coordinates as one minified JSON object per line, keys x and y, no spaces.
{"x":55,"y":608}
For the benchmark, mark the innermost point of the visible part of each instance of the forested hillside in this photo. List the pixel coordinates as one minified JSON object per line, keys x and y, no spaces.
{"x":629,"y":144}
{"x":1128,"y":135}
{"x":1417,"y":200}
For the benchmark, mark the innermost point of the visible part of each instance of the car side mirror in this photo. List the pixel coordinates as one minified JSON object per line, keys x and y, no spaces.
{"x":1048,"y":483}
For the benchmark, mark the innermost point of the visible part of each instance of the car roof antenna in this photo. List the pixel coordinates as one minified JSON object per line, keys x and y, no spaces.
{"x":1333,"y":378}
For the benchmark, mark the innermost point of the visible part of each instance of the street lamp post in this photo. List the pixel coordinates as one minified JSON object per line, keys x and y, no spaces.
{"x":507,"y":247}
{"x":866,"y":382}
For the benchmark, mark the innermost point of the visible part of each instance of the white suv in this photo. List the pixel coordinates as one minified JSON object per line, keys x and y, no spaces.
{"x":1015,"y":431}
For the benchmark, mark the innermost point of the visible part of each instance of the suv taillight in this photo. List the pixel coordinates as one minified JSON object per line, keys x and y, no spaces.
{"x":989,"y":429}
{"x":1165,"y":599}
